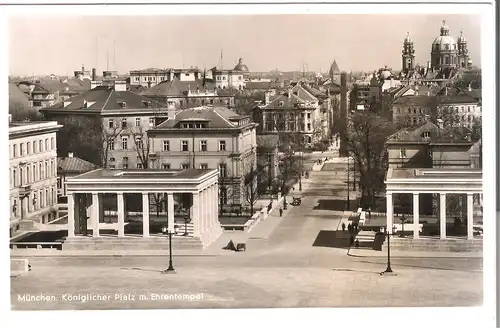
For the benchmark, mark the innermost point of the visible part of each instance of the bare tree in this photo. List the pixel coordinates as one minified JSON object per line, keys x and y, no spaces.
{"x":109,"y":135}
{"x":251,"y":186}
{"x":141,"y":145}
{"x":366,"y":142}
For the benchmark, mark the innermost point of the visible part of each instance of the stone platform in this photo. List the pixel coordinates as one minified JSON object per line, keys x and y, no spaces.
{"x":435,"y":244}
{"x":106,"y":243}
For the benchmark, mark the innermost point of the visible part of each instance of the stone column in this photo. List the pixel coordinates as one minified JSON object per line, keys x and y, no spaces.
{"x":202,"y":211}
{"x":71,"y":215}
{"x":470,"y":216}
{"x":145,"y":214}
{"x":195,"y":216}
{"x":96,"y":215}
{"x":389,"y":211}
{"x":120,"y":208}
{"x":416,"y":219}
{"x":170,"y":212}
{"x":442,"y":215}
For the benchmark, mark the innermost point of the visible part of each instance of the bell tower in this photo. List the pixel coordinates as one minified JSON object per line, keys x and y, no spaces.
{"x":463,"y":52}
{"x":408,"y":54}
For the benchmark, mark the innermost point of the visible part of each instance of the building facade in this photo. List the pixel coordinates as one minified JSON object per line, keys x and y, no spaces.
{"x":208,"y":138}
{"x":152,"y":76}
{"x":32,"y":173}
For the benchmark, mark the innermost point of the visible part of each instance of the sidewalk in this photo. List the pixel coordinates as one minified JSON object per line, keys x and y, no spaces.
{"x":23,"y":253}
{"x":412,"y":254}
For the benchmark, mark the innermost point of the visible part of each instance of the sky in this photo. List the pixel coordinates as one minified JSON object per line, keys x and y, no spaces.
{"x":59,"y":45}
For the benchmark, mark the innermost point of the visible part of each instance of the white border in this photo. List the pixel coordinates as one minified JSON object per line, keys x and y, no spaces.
{"x":369,"y":317}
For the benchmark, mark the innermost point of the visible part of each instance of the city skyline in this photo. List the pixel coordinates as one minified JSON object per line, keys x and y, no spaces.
{"x":115,"y":42}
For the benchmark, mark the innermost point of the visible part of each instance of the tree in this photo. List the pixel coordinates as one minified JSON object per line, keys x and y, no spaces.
{"x":288,"y":168}
{"x":20,"y":112}
{"x":141,"y":145}
{"x":110,"y":133}
{"x":251,"y":186}
{"x":365,"y":140}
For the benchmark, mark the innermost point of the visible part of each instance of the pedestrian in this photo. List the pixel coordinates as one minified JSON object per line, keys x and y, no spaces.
{"x":281,"y":211}
{"x":351,"y":241}
{"x":343,"y":226}
{"x":349,"y":228}
{"x":356,"y":244}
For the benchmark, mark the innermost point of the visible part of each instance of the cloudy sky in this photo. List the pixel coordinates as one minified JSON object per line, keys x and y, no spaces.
{"x":59,"y":45}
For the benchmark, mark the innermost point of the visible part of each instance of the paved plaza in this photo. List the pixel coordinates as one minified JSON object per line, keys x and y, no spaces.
{"x":282,"y":267}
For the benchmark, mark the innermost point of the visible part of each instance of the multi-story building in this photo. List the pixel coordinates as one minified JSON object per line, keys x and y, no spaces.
{"x":208,"y":138}
{"x":116,"y":119}
{"x":359,"y":96}
{"x":412,"y":110}
{"x":189,"y":94}
{"x":233,"y":79}
{"x":152,"y":76}
{"x":32,"y":173}
{"x":462,"y":108}
{"x":295,"y":113}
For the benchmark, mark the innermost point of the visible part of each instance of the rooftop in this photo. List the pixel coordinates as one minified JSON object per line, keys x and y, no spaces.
{"x":431,"y":133}
{"x":434,"y":174}
{"x":143,"y":174}
{"x":73,"y":164}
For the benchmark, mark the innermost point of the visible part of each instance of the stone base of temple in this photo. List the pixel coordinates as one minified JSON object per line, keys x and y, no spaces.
{"x":435,"y":245}
{"x":131,"y":243}
{"x":212,"y":235}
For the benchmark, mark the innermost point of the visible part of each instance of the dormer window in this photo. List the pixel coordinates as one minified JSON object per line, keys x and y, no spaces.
{"x":281,"y":103}
{"x":426,"y":135}
{"x":402,"y":152}
{"x":123,"y":104}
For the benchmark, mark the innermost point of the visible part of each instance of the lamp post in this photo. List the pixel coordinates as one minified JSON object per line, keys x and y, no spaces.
{"x":388,"y":270}
{"x":348,"y":182}
{"x":301,"y":168}
{"x":170,"y":268}
{"x":369,"y":212}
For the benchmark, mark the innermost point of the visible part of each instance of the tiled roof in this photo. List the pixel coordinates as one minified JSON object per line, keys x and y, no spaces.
{"x":219,"y":117}
{"x":259,"y":85}
{"x":17,"y":96}
{"x":457,"y":99}
{"x":74,"y":164}
{"x":436,"y":134}
{"x":106,"y":98}
{"x":315,"y":92}
{"x":419,"y":100}
{"x":176,"y":88}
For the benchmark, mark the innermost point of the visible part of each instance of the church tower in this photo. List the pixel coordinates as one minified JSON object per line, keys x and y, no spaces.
{"x":408,"y":54}
{"x":463,"y":52}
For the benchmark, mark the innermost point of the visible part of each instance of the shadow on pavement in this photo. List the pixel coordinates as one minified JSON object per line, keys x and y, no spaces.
{"x":140,"y":269}
{"x":330,"y":238}
{"x":333,"y":204}
{"x":423,"y":267}
{"x":360,"y":271}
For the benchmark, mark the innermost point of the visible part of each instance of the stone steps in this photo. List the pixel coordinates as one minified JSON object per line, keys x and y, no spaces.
{"x":445,"y":245}
{"x":128,"y":243}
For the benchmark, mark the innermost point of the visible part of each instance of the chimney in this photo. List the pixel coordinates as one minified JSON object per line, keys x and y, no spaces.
{"x":429,"y":65}
{"x":289,"y":92}
{"x":470,"y":86}
{"x":93,"y":74}
{"x":445,"y":91}
{"x":267,"y":94}
{"x":70,"y":155}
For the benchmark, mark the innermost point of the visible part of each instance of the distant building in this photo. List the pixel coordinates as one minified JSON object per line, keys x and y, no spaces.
{"x":32,"y":173}
{"x":68,"y":167}
{"x":208,"y":138}
{"x":189,"y":94}
{"x":234,"y":79}
{"x":152,"y":76}
{"x":464,"y":106}
{"x":118,"y":117}
{"x":295,"y":113}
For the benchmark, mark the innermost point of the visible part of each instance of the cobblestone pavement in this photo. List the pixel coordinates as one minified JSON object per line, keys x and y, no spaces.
{"x":282,"y":269}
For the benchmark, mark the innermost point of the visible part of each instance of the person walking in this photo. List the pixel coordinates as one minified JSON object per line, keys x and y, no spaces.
{"x":349,"y":228}
{"x":281,"y":211}
{"x":343,"y":227}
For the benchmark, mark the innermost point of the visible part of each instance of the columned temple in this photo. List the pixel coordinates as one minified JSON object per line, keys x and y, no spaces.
{"x":465,"y":184}
{"x":195,"y":191}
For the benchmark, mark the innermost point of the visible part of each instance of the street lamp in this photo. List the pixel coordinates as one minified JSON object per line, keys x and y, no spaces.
{"x":388,"y":270}
{"x":348,"y":182}
{"x":369,"y":212}
{"x":170,"y":268}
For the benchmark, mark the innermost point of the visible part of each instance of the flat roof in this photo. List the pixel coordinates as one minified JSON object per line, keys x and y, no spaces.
{"x":142,"y":174}
{"x":435,"y":173}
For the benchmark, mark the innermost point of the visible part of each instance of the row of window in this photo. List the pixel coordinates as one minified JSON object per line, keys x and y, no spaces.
{"x":35,"y":172}
{"x":290,"y":116}
{"x":34,"y":147}
{"x":461,"y":109}
{"x":35,"y":201}
{"x":290,"y":126}
{"x":124,"y":124}
{"x":224,"y":78}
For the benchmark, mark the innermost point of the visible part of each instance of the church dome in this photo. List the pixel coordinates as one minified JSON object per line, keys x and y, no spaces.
{"x":385,"y":73}
{"x":444,"y":41}
{"x":241,"y":67}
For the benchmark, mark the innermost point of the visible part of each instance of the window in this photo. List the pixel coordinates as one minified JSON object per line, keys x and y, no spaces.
{"x":33,"y":171}
{"x":111,"y":143}
{"x":402,"y":152}
{"x":184,"y":145}
{"x":125,"y":143}
{"x":138,"y":142}
{"x":203,"y":145}
{"x":14,"y":150}
{"x":187,"y":74}
{"x":224,"y":78}
{"x":21,"y":149}
{"x":281,"y":103}
{"x":40,"y":171}
{"x":124,"y":122}
{"x":166,"y":145}
{"x":46,"y":144}
{"x":111,"y":123}
{"x":162,"y":78}
{"x":308,"y":115}
{"x":125,"y":166}
{"x":139,"y":165}
{"x":136,"y":79}
{"x":222,"y":145}
{"x":14,"y":177}
{"x":223,"y":169}
{"x":426,"y":135}
{"x":47,"y":172}
{"x":165,"y":166}
{"x":35,"y":150}
{"x":112,"y":166}
{"x":308,"y":126}
{"x":185,"y":166}
{"x":211,"y":101}
{"x":28,"y":147}
{"x":151,"y":121}
{"x":52,"y":143}
{"x":239,"y":77}
{"x":204,"y":166}
{"x":137,"y":121}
